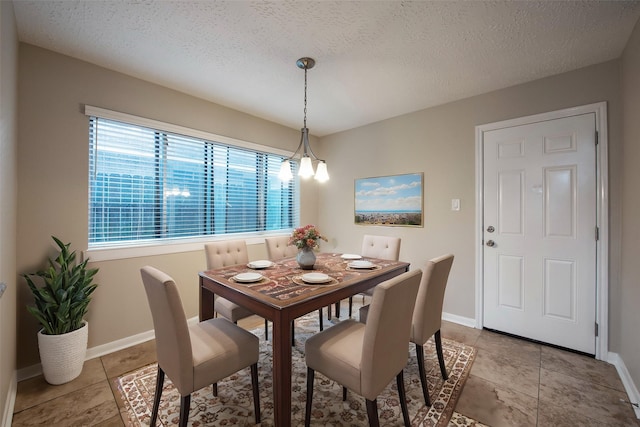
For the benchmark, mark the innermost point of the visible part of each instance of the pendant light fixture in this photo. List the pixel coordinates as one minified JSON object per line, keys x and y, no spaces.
{"x":307,"y":155}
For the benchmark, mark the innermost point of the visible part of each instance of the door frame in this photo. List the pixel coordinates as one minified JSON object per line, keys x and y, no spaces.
{"x":602,"y":212}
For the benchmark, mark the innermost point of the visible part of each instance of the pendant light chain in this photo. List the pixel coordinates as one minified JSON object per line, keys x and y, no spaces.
{"x":305,"y":95}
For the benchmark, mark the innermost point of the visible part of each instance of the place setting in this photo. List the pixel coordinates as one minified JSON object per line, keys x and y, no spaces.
{"x":248,"y":277}
{"x":314,"y":279}
{"x":252,"y":276}
{"x":260,"y":264}
{"x":355,"y":262}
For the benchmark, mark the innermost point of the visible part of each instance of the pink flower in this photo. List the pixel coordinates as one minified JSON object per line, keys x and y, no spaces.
{"x":306,"y":236}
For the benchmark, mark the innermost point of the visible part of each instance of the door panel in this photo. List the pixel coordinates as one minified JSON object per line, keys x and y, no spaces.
{"x":559,"y":202}
{"x":511,"y":202}
{"x":540,"y":197}
{"x":559,"y":289}
{"x":512,"y":290}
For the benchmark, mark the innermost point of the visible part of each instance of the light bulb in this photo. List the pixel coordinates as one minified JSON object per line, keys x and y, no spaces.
{"x":285,"y":171}
{"x":321,"y":172}
{"x":306,"y":168}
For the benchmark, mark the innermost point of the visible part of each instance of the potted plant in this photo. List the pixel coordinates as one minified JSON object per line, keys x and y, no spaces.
{"x":60,"y":306}
{"x":306,"y":240}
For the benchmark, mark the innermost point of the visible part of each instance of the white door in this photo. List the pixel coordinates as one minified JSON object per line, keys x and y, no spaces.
{"x":539,"y":231}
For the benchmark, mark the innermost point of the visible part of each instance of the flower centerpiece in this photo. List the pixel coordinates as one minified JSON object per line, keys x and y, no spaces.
{"x":306,"y":240}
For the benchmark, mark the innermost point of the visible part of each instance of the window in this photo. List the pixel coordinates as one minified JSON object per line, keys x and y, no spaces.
{"x":148,"y":184}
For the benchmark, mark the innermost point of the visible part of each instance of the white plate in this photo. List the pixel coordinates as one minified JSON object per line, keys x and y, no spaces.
{"x":316,"y":278}
{"x":247,"y":277}
{"x":350,"y":256}
{"x":261,"y":263}
{"x":361,"y":264}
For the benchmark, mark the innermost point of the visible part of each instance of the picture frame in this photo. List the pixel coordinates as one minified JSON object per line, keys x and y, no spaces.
{"x":393,"y":200}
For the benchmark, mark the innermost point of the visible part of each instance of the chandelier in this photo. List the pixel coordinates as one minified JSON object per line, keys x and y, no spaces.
{"x":307,"y":156}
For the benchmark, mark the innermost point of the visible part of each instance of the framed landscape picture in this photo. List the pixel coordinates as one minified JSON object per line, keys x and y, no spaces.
{"x":395,"y":200}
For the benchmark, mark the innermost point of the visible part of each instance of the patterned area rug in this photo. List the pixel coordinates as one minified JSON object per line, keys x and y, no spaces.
{"x":234,"y":405}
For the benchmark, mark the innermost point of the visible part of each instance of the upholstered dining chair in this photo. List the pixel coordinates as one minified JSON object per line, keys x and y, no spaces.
{"x":197,"y":355}
{"x":223,"y":254}
{"x":381,"y":247}
{"x":365,"y":357}
{"x":278,"y":247}
{"x":427,"y":315}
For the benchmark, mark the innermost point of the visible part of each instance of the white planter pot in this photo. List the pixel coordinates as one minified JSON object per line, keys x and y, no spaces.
{"x":62,"y":356}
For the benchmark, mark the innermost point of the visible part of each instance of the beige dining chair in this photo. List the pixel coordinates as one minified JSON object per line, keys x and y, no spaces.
{"x":223,"y":254}
{"x":278,"y":247}
{"x":365,"y":357}
{"x":427,"y":315}
{"x":198,"y":355}
{"x":381,"y":247}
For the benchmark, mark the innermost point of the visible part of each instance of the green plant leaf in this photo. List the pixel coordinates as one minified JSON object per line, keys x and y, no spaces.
{"x":62,"y":300}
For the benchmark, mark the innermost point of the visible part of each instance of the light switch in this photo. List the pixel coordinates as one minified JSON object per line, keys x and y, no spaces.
{"x":455,"y":204}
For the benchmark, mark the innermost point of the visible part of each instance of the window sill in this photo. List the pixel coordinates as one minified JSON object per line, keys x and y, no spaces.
{"x":164,"y":248}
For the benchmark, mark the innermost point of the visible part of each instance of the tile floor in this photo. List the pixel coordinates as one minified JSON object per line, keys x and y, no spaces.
{"x":512,"y":383}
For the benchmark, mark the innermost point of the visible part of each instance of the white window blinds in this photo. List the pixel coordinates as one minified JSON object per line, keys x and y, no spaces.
{"x":147,"y":184}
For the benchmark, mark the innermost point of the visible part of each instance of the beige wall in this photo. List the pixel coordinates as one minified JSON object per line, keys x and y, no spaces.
{"x":52,"y":178}
{"x":8,"y":143}
{"x":630,"y":278}
{"x":440,"y":142}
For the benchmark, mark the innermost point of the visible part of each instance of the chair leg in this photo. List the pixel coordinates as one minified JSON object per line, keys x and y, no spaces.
{"x":214,"y":388}
{"x":372,"y":413}
{"x":266,"y":330}
{"x":185,"y":402}
{"x":422,"y":373}
{"x":403,"y":399}
{"x":329,"y":312}
{"x":337,"y":308}
{"x":156,"y":399}
{"x":344,"y":393}
{"x":350,"y":306}
{"x":443,"y":368}
{"x":320,"y":318}
{"x":293,"y":333}
{"x":256,"y":392}
{"x":307,"y":413}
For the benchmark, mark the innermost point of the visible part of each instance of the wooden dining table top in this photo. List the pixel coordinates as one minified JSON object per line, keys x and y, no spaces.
{"x":282,"y":284}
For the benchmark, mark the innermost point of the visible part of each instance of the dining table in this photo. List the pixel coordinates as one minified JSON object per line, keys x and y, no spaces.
{"x":281,"y":295}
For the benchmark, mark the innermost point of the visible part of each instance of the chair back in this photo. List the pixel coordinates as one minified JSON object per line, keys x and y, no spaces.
{"x":173,"y":343}
{"x":386,"y":333}
{"x":278,"y":247}
{"x":225,"y":253}
{"x":381,"y":247}
{"x":427,"y":315}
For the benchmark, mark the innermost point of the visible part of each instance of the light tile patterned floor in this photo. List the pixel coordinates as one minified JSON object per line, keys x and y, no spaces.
{"x":512,"y":383}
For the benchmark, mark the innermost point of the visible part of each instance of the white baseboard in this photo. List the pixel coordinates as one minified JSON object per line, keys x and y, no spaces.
{"x":464,"y":321}
{"x":100,"y":350}
{"x":627,"y":381}
{"x":9,"y":404}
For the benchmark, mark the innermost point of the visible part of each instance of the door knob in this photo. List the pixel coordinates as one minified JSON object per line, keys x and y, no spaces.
{"x":491,"y":243}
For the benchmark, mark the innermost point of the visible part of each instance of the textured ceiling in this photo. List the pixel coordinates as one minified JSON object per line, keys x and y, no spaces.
{"x":375,"y":59}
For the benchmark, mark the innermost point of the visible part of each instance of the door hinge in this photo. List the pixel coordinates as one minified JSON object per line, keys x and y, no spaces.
{"x":597,"y":233}
{"x":597,"y":138}
{"x":596,"y":329}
